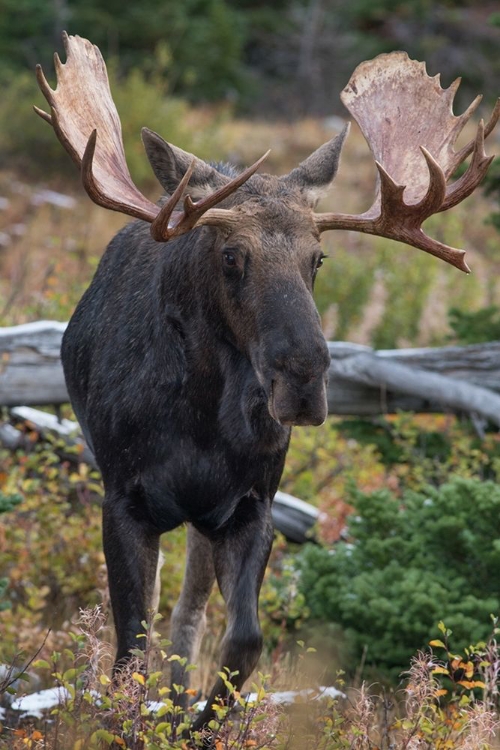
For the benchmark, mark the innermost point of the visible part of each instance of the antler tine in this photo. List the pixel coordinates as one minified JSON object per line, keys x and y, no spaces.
{"x":476,"y":171}
{"x":436,"y":191}
{"x":469,"y":147}
{"x":161,"y":228}
{"x":413,"y":151}
{"x":96,"y":193}
{"x":46,"y":91}
{"x":170,"y":224}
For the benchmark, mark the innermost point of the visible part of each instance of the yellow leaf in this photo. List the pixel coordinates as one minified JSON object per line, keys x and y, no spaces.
{"x":437,"y":643}
{"x":469,"y":684}
{"x":119,"y":740}
{"x":440,"y":692}
{"x":191,"y":691}
{"x":138,"y":677}
{"x":104,"y":679}
{"x":440,"y":670}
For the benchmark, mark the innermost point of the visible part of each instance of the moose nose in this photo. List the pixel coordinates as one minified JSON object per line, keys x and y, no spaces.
{"x":290,"y":403}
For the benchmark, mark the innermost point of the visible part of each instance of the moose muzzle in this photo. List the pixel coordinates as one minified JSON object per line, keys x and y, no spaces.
{"x":291,"y":403}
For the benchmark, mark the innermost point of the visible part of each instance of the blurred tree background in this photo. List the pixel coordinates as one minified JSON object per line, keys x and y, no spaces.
{"x":284,"y":58}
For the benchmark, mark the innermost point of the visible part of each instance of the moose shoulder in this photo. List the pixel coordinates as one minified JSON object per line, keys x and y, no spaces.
{"x":198,"y":345}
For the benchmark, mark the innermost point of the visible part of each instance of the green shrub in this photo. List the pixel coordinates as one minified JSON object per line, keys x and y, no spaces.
{"x":7,"y":503}
{"x":409,"y":563}
{"x":475,"y":327}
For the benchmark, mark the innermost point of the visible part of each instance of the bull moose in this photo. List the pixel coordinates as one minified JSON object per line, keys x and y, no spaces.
{"x":198,"y":346}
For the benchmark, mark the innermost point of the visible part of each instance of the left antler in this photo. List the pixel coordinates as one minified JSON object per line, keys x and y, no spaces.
{"x":86,"y":122}
{"x":407,"y":120}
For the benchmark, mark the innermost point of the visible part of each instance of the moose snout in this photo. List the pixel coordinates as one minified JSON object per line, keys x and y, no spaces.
{"x":297,"y":393}
{"x":292,"y":404}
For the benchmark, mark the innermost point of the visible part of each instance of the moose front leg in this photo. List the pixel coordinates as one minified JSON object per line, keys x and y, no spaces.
{"x":240,"y":553}
{"x":131,"y":549}
{"x":188,"y":617}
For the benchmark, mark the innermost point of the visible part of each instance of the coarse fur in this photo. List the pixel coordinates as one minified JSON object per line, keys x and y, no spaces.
{"x":187,"y":363}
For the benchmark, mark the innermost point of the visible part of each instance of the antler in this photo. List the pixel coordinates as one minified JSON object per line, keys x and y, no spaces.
{"x":85,"y":120}
{"x":407,"y":120}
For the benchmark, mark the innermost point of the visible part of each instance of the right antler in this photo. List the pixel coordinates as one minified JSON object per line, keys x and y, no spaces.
{"x":407,"y":120}
{"x":85,"y":120}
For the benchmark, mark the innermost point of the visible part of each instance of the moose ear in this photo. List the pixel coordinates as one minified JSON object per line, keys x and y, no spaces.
{"x":315,"y":174}
{"x":170,"y":164}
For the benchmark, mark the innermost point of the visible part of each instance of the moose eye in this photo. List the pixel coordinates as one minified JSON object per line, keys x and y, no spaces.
{"x":229,"y":258}
{"x":319,"y":262}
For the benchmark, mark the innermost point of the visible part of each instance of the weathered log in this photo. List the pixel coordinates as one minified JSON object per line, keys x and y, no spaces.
{"x":450,"y":392}
{"x":374,"y":392}
{"x":31,"y":374}
{"x":30,"y":365}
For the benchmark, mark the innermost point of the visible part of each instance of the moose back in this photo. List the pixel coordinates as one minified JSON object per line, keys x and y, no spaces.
{"x":198,"y":346}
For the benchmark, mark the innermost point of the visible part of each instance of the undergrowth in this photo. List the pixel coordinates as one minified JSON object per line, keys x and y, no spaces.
{"x":444,"y":702}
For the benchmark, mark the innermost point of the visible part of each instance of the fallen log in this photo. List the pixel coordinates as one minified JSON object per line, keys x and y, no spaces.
{"x":363,"y":382}
{"x":451,"y":393}
{"x":30,"y":365}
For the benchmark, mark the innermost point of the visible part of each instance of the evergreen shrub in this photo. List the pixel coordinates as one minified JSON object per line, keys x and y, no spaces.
{"x":407,"y":564}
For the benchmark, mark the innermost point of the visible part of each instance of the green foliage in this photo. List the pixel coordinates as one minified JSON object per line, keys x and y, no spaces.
{"x":406,"y":299}
{"x":422,"y":450}
{"x":203,"y":38}
{"x":409,"y":562}
{"x":225,"y":49}
{"x":345,"y":284}
{"x":7,"y":503}
{"x":376,"y":432}
{"x":475,"y":327}
{"x":385,"y":290}
{"x":282,"y":602}
{"x":492,"y":186}
{"x":51,"y":552}
{"x":347,"y":288}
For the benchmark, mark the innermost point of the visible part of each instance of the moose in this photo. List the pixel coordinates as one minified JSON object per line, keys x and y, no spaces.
{"x":198,"y":345}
